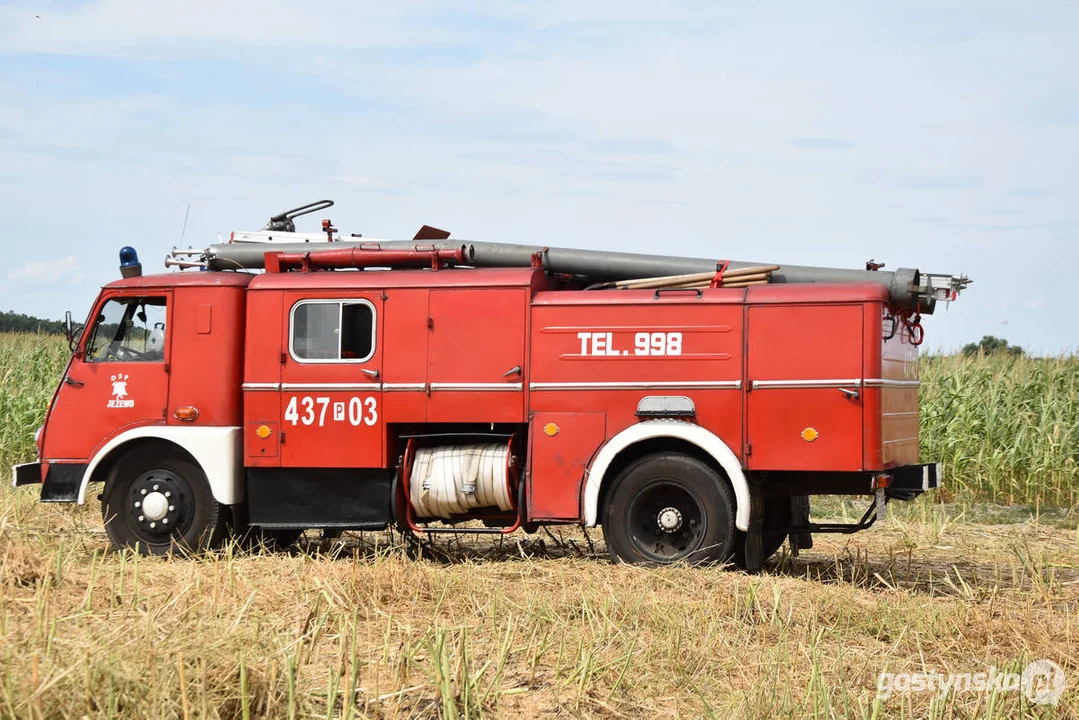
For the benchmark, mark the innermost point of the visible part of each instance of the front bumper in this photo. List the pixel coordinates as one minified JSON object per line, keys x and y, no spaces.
{"x":26,"y":474}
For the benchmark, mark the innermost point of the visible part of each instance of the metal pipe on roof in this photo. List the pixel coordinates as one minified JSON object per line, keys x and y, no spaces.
{"x":906,"y":286}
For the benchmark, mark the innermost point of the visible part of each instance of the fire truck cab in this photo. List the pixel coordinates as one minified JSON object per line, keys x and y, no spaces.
{"x":692,"y":424}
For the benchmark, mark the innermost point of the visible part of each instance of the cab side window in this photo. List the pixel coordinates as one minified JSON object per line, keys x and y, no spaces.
{"x":332,"y":331}
{"x":128,"y":329}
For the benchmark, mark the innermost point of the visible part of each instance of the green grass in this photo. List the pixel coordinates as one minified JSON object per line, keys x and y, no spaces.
{"x":30,"y":369}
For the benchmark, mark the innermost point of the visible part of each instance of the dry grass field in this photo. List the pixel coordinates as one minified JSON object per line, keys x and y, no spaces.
{"x":368,"y":625}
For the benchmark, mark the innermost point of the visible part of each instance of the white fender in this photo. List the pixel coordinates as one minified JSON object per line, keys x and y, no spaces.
{"x":689,"y":432}
{"x":215,"y":449}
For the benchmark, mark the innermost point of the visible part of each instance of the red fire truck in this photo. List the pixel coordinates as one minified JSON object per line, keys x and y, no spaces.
{"x":691,"y":423}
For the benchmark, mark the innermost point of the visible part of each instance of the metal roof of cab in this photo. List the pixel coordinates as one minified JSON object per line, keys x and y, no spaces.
{"x":182,"y":279}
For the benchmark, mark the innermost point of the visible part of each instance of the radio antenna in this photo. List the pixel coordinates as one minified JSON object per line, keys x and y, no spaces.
{"x":184,"y":228}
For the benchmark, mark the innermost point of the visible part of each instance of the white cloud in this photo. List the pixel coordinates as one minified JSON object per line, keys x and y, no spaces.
{"x":65,"y":268}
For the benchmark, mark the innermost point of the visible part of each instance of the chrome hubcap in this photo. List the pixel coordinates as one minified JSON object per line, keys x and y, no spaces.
{"x":669,"y":519}
{"x":155,"y":506}
{"x":160,"y":504}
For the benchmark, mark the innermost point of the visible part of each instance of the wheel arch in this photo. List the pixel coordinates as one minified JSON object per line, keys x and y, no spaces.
{"x":663,"y":435}
{"x":216,"y":450}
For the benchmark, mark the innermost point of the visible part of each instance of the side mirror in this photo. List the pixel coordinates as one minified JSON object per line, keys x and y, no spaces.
{"x":72,"y":333}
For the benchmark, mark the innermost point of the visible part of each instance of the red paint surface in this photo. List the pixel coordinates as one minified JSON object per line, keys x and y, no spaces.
{"x":804,"y":343}
{"x":579,"y":368}
{"x":557,"y":469}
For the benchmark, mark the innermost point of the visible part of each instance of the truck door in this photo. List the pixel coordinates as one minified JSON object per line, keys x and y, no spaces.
{"x":476,"y":355}
{"x":331,"y":397}
{"x":804,"y":382}
{"x":117,"y":377}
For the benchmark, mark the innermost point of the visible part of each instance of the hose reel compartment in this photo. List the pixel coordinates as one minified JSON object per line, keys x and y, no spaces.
{"x":450,"y":481}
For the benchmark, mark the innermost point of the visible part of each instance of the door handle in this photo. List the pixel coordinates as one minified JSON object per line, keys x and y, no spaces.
{"x":852,"y":394}
{"x":515,"y":370}
{"x":374,"y":374}
{"x":72,"y":381}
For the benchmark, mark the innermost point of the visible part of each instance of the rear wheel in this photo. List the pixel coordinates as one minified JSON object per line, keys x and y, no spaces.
{"x":157,"y":500}
{"x":667,"y":508}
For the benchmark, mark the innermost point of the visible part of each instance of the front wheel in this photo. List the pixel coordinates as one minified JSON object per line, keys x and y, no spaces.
{"x":157,"y":500}
{"x":667,"y":508}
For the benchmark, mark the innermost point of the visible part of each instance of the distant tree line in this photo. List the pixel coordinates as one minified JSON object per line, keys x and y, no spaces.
{"x":18,"y":322}
{"x":990,"y":345}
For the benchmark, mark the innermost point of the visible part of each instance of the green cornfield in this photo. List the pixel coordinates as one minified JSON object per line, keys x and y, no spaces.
{"x":1006,"y":429}
{"x":30,"y":368}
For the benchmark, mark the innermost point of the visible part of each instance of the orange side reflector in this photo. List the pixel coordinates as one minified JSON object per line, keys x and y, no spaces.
{"x":263,"y":431}
{"x":880,"y":482}
{"x":187,"y":413}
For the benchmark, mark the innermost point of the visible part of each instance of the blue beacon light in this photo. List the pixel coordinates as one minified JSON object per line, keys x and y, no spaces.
{"x":129,"y":262}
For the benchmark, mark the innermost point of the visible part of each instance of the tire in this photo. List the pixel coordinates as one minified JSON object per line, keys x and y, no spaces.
{"x":184,"y":516}
{"x":668,"y":508}
{"x":777,"y":514}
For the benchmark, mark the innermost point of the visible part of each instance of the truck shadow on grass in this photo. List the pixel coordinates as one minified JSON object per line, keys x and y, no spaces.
{"x":972,"y":581}
{"x":1013,"y":566}
{"x":972,"y":561}
{"x":454,"y":549}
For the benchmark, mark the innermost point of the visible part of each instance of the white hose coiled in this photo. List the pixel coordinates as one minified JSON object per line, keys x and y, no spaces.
{"x":450,"y":480}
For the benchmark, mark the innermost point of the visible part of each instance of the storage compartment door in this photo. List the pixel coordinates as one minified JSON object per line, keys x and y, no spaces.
{"x":476,"y":354}
{"x":804,"y":376}
{"x":560,"y":447}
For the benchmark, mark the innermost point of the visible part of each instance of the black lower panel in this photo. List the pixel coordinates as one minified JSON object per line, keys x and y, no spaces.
{"x":905,"y":482}
{"x":319,"y":498}
{"x":793,"y":483}
{"x":26,"y":474}
{"x":62,"y":482}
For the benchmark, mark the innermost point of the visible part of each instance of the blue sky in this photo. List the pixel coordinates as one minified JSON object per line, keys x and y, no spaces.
{"x":937,"y":135}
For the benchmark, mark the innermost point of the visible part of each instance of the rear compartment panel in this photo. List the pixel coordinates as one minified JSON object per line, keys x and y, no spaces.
{"x":898,"y":397}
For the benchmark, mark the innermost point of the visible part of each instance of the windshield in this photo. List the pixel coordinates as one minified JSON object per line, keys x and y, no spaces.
{"x":129,"y":329}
